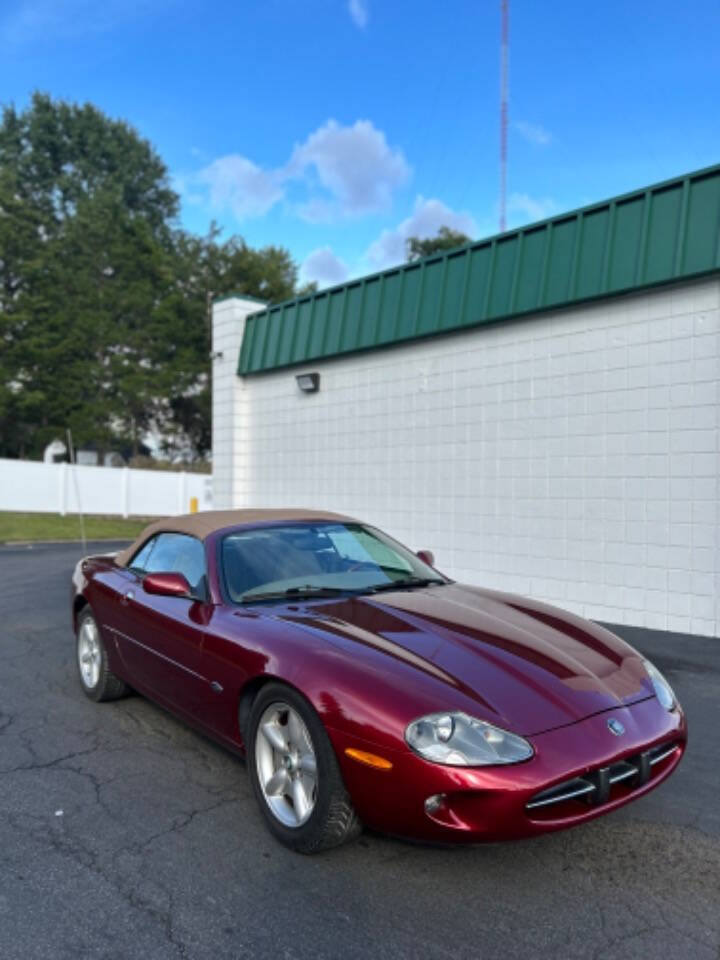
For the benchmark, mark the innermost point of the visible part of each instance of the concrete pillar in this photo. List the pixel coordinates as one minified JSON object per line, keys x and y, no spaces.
{"x":229,"y":399}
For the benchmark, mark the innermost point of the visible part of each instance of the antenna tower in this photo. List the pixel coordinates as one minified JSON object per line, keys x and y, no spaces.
{"x":504,"y":36}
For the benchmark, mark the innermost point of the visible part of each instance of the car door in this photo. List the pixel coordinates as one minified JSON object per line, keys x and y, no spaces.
{"x":161,"y":637}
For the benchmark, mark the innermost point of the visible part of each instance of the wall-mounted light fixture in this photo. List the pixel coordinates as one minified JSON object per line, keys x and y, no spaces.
{"x":308,"y":382}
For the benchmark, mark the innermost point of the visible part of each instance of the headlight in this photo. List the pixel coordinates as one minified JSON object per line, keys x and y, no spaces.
{"x":462,"y":741}
{"x":663,"y":690}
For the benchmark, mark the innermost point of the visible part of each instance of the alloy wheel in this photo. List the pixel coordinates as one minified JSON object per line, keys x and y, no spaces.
{"x":286,"y":765}
{"x":89,"y":653}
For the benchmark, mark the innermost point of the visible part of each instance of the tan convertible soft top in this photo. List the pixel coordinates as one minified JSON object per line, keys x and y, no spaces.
{"x":201,"y":525}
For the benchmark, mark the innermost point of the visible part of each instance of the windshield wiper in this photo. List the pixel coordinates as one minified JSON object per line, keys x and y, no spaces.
{"x":309,"y":590}
{"x":405,"y":582}
{"x":295,"y":592}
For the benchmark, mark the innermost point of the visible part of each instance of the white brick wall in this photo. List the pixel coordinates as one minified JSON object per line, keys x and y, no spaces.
{"x":572,"y":456}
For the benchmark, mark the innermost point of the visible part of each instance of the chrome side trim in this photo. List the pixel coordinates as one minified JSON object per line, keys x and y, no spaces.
{"x":156,"y":653}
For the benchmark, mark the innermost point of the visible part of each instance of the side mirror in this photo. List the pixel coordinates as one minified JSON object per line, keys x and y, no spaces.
{"x":166,"y":584}
{"x":427,"y":556}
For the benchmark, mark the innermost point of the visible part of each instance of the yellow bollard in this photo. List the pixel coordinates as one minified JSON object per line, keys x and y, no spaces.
{"x":193,"y":504}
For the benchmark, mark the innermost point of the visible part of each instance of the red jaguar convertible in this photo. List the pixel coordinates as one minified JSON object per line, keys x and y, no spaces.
{"x":365,"y":687}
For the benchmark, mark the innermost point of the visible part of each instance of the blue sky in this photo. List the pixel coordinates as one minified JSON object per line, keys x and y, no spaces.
{"x":338,"y":127}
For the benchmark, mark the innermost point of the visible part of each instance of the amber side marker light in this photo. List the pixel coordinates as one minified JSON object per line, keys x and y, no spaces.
{"x":369,"y":759}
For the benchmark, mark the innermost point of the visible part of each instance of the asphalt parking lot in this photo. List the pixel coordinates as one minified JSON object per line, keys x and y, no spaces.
{"x":124,"y":834}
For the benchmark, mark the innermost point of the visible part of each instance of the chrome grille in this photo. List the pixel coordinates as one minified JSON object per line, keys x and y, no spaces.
{"x":594,"y":787}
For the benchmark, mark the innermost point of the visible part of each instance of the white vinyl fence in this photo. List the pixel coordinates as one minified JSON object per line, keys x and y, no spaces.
{"x":34,"y":487}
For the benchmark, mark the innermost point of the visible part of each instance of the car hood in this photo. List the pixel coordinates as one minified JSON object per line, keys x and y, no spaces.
{"x":528,"y":666}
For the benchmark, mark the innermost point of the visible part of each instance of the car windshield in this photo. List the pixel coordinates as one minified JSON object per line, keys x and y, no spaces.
{"x":317,"y":559}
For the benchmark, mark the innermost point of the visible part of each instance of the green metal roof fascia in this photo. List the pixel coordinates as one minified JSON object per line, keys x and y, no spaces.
{"x":657,"y":235}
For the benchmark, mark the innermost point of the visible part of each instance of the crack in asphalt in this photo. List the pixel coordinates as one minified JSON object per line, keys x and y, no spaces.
{"x":48,"y":764}
{"x":66,"y":846}
{"x":178,"y":825}
{"x":61,"y":840}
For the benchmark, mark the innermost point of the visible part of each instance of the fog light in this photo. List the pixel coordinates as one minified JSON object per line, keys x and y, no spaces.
{"x":434,"y":803}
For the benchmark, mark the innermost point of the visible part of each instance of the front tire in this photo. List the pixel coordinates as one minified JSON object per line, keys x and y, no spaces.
{"x":295,"y":774}
{"x":96,"y":679}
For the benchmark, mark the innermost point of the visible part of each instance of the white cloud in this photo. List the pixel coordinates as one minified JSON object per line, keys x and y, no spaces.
{"x":359,"y":12}
{"x":534,"y":133}
{"x":237,"y":183}
{"x":342,"y":171}
{"x":425,"y":221}
{"x":355,"y":165}
{"x":523,"y":208}
{"x":323,"y":267}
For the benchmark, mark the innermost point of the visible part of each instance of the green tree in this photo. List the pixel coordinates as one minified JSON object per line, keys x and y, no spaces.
{"x":85,"y":257}
{"x":207,"y":268}
{"x":104,"y":302}
{"x":445,"y":239}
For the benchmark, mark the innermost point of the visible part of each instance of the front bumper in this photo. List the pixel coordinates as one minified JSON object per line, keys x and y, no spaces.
{"x":483,"y":804}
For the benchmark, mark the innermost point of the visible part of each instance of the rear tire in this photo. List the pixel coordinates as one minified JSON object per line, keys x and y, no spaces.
{"x":96,"y":679}
{"x":295,"y":774}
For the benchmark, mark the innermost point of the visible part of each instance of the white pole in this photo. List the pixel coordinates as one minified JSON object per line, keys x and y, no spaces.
{"x":71,"y":452}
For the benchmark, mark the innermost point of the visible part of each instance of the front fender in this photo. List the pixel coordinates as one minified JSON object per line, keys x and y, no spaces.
{"x":356,"y":690}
